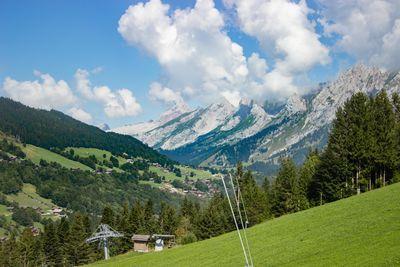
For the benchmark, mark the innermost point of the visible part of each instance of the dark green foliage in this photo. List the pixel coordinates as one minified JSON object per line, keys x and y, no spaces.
{"x":25,"y":216}
{"x":108,"y":216}
{"x":114,"y":161}
{"x":10,"y":178}
{"x":52,"y":246}
{"x":201,"y":186}
{"x":253,"y":199}
{"x":78,"y":251}
{"x":215,"y":219}
{"x":78,"y":190}
{"x":285,"y":189}
{"x":49,"y":129}
{"x":362,"y":151}
{"x":180,"y":184}
{"x":168,"y":220}
{"x":9,"y":147}
{"x":30,"y":249}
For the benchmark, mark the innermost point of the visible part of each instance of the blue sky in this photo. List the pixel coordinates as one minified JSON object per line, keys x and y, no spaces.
{"x":60,"y":37}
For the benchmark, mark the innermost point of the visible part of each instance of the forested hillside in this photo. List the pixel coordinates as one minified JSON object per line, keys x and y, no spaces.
{"x":49,"y":129}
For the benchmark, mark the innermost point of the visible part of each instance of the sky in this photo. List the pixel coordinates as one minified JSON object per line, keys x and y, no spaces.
{"x":122,"y":62}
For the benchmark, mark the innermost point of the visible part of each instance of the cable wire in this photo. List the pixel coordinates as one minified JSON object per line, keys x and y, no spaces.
{"x":244,"y":226}
{"x":234,"y":219}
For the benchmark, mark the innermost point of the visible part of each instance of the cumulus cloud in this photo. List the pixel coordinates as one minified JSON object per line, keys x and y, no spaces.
{"x":46,"y":93}
{"x":196,"y":54}
{"x":80,"y":114}
{"x":199,"y":58}
{"x":368,"y":30}
{"x":283,"y":30}
{"x":120,"y":103}
{"x":83,"y":84}
{"x":165,"y":95}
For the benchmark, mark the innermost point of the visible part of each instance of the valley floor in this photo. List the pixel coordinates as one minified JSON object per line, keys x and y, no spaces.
{"x":362,"y":230}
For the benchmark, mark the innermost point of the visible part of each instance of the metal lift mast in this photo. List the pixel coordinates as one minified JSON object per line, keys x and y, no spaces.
{"x":102,"y":234}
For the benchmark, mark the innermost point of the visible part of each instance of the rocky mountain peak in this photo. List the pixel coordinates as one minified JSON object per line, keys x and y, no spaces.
{"x":295,"y":104}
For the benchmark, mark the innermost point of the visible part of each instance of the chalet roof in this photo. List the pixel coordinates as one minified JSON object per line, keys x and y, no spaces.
{"x":141,"y":237}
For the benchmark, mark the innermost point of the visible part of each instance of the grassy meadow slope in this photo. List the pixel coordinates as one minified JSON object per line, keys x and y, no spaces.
{"x":361,"y":230}
{"x":35,"y":154}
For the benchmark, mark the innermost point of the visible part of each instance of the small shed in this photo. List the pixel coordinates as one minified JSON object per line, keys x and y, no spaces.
{"x":141,"y":243}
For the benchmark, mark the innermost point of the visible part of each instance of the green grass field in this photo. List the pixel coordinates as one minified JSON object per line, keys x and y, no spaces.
{"x":98,"y":153}
{"x":358,"y":231}
{"x":35,"y":154}
{"x":29,"y":198}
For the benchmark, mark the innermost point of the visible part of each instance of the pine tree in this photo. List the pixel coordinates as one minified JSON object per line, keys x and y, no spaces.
{"x":306,"y":174}
{"x":122,"y":245}
{"x":63,"y":237}
{"x":29,"y":249}
{"x":358,"y":138}
{"x":51,"y":246}
{"x":9,"y":256}
{"x":168,"y":220}
{"x":79,"y":252}
{"x":215,"y":219}
{"x":136,"y":219}
{"x":285,"y":189}
{"x":108,"y":216}
{"x":385,"y":153}
{"x":253,"y":200}
{"x":149,"y":222}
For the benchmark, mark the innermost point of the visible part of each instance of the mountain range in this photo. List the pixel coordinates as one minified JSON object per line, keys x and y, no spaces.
{"x":221,"y":134}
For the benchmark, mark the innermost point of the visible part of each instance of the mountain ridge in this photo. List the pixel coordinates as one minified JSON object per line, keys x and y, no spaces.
{"x":248,"y":133}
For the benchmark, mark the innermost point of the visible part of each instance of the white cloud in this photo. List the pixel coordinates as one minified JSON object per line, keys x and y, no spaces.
{"x":200,"y":60}
{"x":283,"y":29}
{"x":121,"y":103}
{"x":368,"y":29}
{"x":196,"y":54}
{"x":46,"y":93}
{"x":165,"y":95}
{"x":83,"y":84}
{"x":80,"y":114}
{"x":233,"y":97}
{"x":257,"y":66}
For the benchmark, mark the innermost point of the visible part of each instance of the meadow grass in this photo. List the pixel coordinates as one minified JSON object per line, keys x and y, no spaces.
{"x":29,"y":198}
{"x":35,"y":154}
{"x":361,"y":230}
{"x":98,"y":153}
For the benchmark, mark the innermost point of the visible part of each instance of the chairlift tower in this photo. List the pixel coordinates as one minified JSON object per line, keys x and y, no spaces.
{"x":102,"y":234}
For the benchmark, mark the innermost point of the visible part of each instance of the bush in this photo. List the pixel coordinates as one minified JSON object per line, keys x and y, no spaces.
{"x":188,"y":238}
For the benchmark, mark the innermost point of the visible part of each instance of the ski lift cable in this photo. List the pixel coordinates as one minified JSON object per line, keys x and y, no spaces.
{"x":244,"y":226}
{"x":234,"y":219}
{"x":241,"y":199}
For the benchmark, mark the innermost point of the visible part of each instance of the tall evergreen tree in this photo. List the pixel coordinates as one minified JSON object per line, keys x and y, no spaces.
{"x":285,"y":189}
{"x":108,"y":216}
{"x":51,"y":246}
{"x":385,"y":153}
{"x":136,"y":218}
{"x":149,"y":221}
{"x":79,"y":252}
{"x":255,"y":203}
{"x":30,"y":249}
{"x":167,"y":220}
